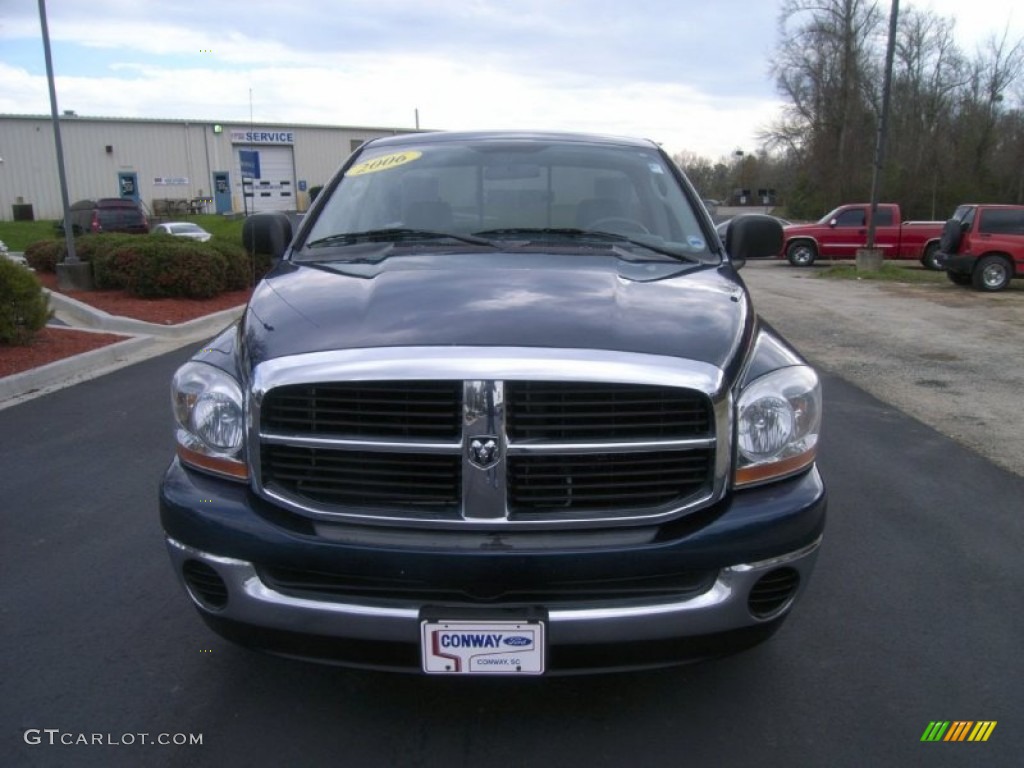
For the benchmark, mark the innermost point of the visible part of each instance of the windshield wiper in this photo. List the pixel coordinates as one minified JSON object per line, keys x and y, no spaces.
{"x":395,"y":235}
{"x":591,"y":234}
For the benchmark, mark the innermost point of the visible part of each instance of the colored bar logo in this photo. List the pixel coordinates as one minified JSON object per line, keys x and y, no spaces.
{"x":959,"y":730}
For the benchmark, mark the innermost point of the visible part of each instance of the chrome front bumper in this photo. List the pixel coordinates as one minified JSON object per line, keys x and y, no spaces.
{"x":721,"y":608}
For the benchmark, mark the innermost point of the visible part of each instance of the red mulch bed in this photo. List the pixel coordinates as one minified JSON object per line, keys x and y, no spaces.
{"x":49,"y":345}
{"x":163,"y":311}
{"x":53,"y":344}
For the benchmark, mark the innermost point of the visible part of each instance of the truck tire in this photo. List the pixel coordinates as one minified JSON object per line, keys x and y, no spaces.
{"x":952,"y":234}
{"x":801,"y":253}
{"x":930,"y":259}
{"x":991,"y":273}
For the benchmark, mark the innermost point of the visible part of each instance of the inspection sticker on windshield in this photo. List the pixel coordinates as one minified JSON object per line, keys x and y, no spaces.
{"x":482,"y":648}
{"x":384,"y":163}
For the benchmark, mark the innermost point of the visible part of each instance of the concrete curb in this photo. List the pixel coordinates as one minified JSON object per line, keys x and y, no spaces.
{"x":71,"y":368}
{"x":79,"y":314}
{"x":148,"y":340}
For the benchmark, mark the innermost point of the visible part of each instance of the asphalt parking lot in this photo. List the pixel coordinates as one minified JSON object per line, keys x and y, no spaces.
{"x":949,"y":356}
{"x":910,"y":617}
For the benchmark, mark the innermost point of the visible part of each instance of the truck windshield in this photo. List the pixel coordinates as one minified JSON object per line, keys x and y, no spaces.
{"x":514,"y":191}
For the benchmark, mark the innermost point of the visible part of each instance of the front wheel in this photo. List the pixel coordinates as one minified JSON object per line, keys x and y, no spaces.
{"x":992,"y":273}
{"x":801,"y":254}
{"x":931,"y":259}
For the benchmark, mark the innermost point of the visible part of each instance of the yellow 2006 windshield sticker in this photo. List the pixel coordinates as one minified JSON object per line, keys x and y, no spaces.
{"x":383,"y":163}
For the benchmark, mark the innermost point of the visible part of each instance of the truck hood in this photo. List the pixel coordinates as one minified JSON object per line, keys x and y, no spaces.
{"x":692,"y":311}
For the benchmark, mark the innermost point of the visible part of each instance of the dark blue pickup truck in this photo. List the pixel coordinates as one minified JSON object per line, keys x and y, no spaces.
{"x":502,"y":407}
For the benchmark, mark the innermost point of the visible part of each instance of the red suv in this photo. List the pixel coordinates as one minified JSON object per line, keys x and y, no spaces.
{"x":983,"y":246}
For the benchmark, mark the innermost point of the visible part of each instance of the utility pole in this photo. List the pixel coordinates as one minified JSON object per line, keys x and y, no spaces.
{"x":883,"y":122}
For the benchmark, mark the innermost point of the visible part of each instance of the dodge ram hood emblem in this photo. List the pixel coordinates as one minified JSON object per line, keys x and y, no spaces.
{"x":484,"y":451}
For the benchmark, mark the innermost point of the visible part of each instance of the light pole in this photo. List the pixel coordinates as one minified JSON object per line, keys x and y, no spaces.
{"x":72,"y":273}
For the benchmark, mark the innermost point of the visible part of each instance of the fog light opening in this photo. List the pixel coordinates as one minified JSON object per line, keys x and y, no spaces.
{"x":773,"y":592}
{"x":205,"y":585}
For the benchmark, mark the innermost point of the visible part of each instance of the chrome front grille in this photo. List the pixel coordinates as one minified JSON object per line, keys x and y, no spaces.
{"x":420,"y":409}
{"x":572,"y":410}
{"x":462,"y":450}
{"x":365,"y":479}
{"x":604,"y":481}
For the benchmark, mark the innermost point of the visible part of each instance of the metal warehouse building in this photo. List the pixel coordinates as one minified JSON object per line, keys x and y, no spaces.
{"x":171,"y":166}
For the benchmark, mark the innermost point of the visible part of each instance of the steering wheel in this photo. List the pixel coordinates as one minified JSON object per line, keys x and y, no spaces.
{"x":619,"y":224}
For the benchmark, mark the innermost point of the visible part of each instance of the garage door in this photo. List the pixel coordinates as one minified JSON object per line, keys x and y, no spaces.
{"x":273,"y":188}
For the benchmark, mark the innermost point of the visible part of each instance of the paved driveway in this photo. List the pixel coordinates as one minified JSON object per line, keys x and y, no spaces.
{"x":951,"y":357}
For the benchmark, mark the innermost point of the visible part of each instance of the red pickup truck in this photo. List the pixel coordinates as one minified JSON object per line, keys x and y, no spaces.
{"x":842,"y":231}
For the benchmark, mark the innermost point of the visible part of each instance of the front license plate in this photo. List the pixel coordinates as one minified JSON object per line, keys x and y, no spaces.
{"x":482,"y":647}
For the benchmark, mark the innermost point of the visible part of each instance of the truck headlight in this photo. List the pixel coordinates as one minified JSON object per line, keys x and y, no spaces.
{"x":778,"y":423}
{"x":210,"y":414}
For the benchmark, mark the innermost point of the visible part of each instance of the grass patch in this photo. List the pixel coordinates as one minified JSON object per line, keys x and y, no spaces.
{"x":890,"y":272}
{"x":221,"y":227}
{"x":17,"y":235}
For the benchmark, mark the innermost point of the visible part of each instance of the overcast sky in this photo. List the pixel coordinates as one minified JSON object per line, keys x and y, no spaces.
{"x":691,"y":74}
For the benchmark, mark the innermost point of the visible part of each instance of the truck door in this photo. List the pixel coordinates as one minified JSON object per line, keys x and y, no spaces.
{"x":842,"y":239}
{"x":887,"y":232}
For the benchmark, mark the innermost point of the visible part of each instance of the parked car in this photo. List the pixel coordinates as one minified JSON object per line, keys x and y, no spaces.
{"x":983,"y":246}
{"x":108,"y":214}
{"x":182,"y":229}
{"x":503,"y":407}
{"x":841,"y":232}
{"x":711,"y":204}
{"x":17,"y":258}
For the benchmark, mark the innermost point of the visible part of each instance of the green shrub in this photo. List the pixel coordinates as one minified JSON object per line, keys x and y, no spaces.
{"x":43,"y":255}
{"x":244,"y":269}
{"x":157,"y":265}
{"x":239,"y":270}
{"x":112,"y":269}
{"x":168,"y":266}
{"x":24,"y":307}
{"x":88,"y":247}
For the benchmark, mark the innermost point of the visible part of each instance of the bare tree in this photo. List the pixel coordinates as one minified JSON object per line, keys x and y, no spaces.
{"x":957,"y":124}
{"x":824,"y":67}
{"x":929,"y":70}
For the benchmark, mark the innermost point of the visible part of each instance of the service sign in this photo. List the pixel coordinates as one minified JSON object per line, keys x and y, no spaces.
{"x":482,"y":648}
{"x":262,"y":136}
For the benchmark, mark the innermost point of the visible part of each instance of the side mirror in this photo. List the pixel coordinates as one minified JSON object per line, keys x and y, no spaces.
{"x":267,"y":233}
{"x":832,"y":222}
{"x":753,"y":236}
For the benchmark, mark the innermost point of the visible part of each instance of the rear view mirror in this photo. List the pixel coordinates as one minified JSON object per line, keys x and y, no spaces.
{"x":267,"y":233}
{"x":512,"y":172}
{"x":753,"y":236}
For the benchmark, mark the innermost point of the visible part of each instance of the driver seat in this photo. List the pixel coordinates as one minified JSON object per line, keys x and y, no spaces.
{"x":594,"y":209}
